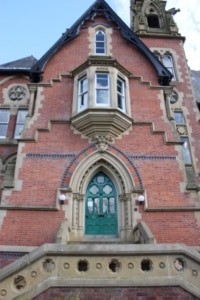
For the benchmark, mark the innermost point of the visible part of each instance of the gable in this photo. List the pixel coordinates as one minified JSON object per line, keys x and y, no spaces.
{"x":100,"y":8}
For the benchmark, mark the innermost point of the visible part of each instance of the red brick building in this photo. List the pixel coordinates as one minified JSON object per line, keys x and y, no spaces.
{"x":99,"y":148}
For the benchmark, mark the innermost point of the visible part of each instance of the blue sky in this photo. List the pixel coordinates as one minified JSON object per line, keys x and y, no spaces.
{"x":32,"y":27}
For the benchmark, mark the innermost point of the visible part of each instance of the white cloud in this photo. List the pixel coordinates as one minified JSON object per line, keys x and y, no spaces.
{"x":187,"y":20}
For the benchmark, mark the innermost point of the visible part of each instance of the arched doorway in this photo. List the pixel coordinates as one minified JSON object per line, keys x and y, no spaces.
{"x":101,"y":216}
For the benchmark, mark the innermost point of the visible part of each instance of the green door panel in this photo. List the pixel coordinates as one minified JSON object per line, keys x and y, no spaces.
{"x":101,"y":207}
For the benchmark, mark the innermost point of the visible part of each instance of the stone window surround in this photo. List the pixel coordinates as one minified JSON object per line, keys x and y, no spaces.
{"x":92,"y":39}
{"x":114,"y":75}
{"x":174,"y":56}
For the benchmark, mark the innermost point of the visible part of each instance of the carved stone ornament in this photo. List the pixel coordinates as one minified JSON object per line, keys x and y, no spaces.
{"x":17,"y":93}
{"x":102,"y":142}
{"x":182,"y":130}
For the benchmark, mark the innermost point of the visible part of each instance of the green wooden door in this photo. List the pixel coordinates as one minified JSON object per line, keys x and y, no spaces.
{"x":101,"y":207}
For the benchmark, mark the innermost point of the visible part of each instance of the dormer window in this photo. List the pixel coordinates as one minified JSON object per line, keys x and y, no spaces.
{"x":102,"y":89}
{"x":100,"y":42}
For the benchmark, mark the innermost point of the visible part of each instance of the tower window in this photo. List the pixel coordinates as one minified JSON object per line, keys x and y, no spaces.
{"x":153,"y":21}
{"x":100,"y":42}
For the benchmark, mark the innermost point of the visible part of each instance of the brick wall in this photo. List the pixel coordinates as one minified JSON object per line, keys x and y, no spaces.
{"x":113,"y":293}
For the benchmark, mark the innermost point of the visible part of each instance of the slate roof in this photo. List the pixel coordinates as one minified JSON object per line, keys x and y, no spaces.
{"x":19,"y":66}
{"x":195,"y":75}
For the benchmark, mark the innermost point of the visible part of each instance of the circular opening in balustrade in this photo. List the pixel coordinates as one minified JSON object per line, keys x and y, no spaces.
{"x":19,"y":282}
{"x":179,"y":264}
{"x":146,"y":265}
{"x":114,"y":266}
{"x":83,"y":266}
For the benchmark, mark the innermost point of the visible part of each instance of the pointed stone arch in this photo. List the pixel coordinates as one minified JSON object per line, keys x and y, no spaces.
{"x":107,"y":163}
{"x":154,"y":15}
{"x":117,"y":171}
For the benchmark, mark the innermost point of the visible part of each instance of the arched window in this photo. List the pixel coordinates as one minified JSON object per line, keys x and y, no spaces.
{"x":9,"y":171}
{"x":153,"y":21}
{"x":100,"y":42}
{"x":101,"y":206}
{"x":168,"y":63}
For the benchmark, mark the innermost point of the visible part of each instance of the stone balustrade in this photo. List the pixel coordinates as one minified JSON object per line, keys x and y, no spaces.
{"x":101,"y":265}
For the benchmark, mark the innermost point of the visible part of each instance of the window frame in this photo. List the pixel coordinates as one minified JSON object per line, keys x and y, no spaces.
{"x":170,"y":67}
{"x":4,"y":123}
{"x":19,"y":126}
{"x":102,"y":88}
{"x":121,"y":95}
{"x":187,"y":157}
{"x":82,"y":100}
{"x":100,"y":44}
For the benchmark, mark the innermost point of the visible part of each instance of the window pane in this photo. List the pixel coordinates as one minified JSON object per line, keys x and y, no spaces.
{"x":100,"y":42}
{"x":83,"y":85}
{"x":83,"y":93}
{"x":105,"y":205}
{"x":100,"y":36}
{"x":112,"y":205}
{"x":96,"y":206}
{"x":4,"y":120}
{"x":4,"y":115}
{"x":167,"y":60}
{"x":3,"y":130}
{"x":102,"y":89}
{"x":186,"y":151}
{"x":21,"y":117}
{"x":102,"y":80}
{"x":102,"y":97}
{"x":179,"y":118}
{"x":90,"y":205}
{"x":121,"y":94}
{"x":18,"y":130}
{"x":168,"y":63}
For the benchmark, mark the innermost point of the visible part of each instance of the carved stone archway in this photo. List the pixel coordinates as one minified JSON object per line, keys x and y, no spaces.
{"x":117,"y":171}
